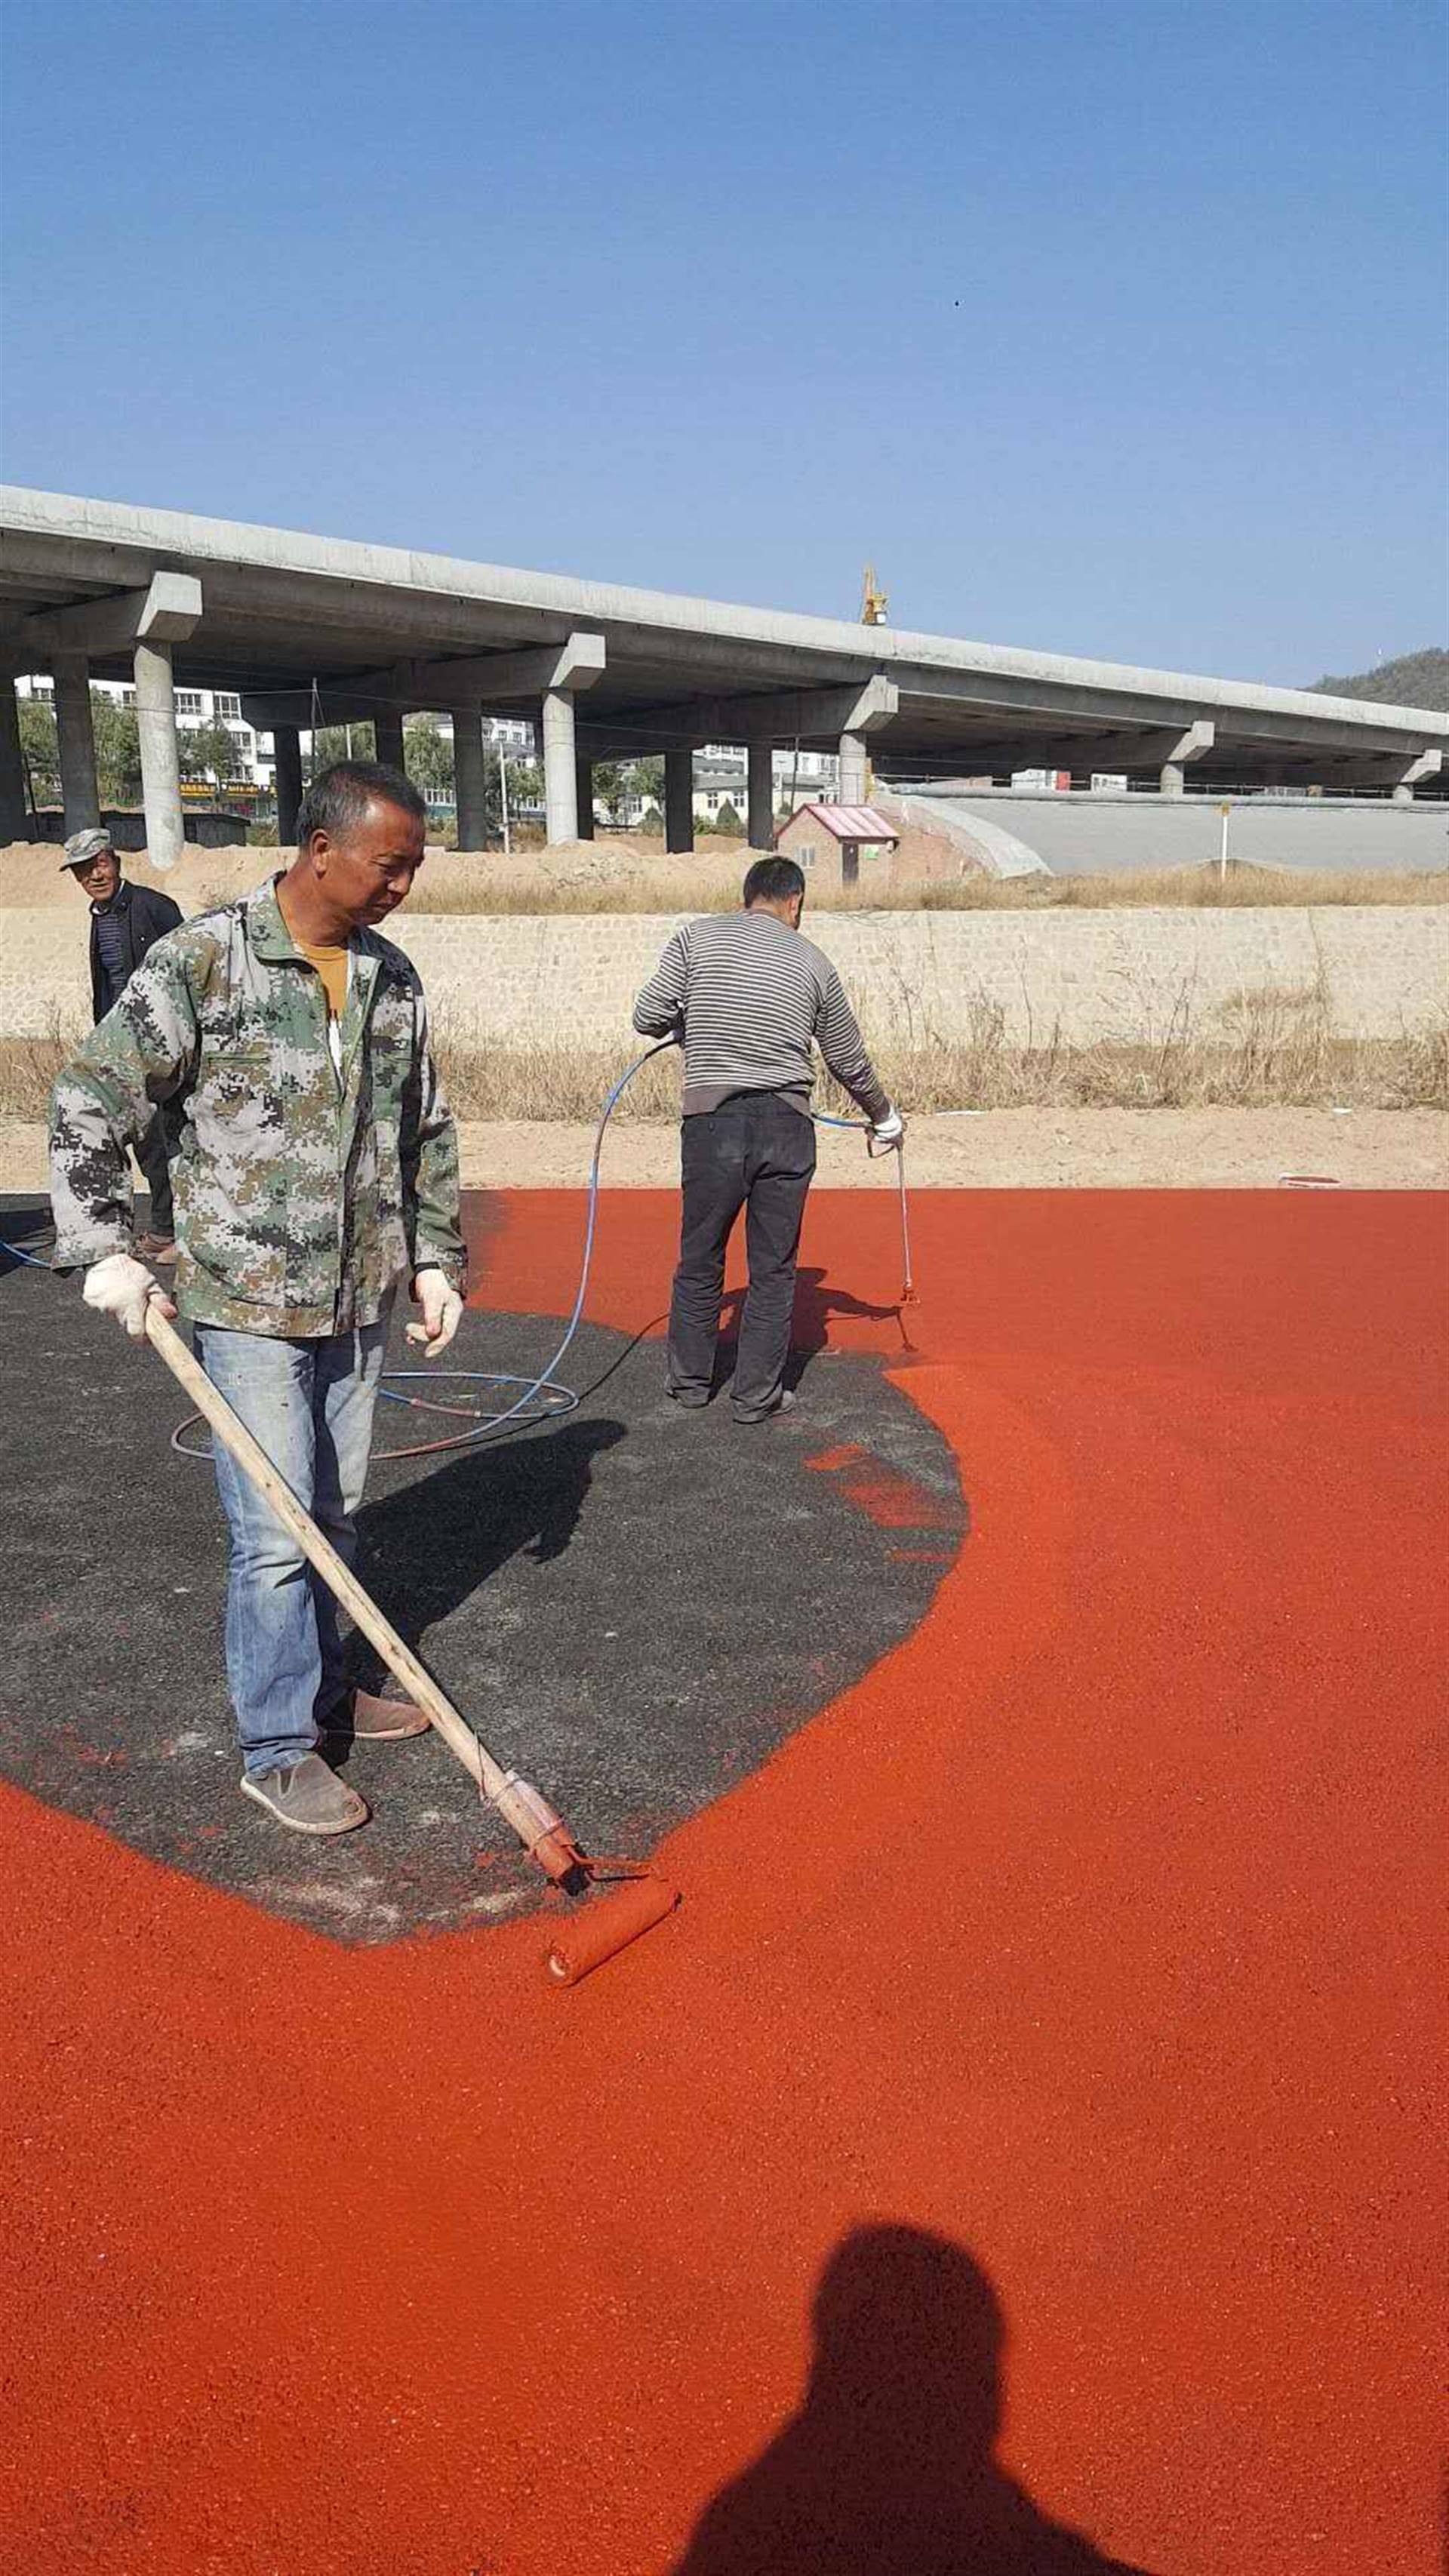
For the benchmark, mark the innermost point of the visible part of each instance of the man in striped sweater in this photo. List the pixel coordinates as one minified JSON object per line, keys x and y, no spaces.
{"x":747,"y":995}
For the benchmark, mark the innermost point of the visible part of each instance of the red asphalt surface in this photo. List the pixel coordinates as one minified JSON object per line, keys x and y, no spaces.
{"x":1091,"y":1931}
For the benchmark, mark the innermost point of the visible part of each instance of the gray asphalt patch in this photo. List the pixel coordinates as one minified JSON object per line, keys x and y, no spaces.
{"x":634,"y":1605}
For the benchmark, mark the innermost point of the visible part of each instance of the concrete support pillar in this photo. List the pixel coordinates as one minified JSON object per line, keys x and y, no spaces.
{"x":679,"y":800}
{"x":160,"y":770}
{"x":287,"y":751}
{"x":584,"y":794}
{"x":1194,"y":744}
{"x":853,"y":769}
{"x":78,"y":791}
{"x":560,"y":775}
{"x":387,"y":733}
{"x":14,"y":817}
{"x":1429,"y":764}
{"x":761,"y":800}
{"x":470,"y":778}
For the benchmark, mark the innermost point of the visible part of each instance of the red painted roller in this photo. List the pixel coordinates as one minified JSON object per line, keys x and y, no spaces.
{"x":601,"y":1930}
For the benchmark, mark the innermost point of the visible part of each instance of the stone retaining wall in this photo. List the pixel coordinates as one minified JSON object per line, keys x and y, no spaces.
{"x":568,"y":979}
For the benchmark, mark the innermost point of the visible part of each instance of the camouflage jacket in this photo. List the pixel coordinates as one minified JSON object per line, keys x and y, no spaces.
{"x":302,"y":1196}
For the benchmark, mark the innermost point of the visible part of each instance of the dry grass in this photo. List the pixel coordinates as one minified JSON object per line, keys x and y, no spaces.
{"x":493,"y":894}
{"x":477,"y":886}
{"x":1272,"y":1050}
{"x":28,"y":1067}
{"x":624,"y":873}
{"x":1198,"y":889}
{"x":1277,"y":1057}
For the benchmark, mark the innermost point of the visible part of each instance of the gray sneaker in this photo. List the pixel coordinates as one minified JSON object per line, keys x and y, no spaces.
{"x":784,"y":1403}
{"x":308,"y":1799}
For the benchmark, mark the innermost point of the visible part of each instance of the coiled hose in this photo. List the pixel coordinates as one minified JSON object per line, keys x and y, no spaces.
{"x":543,"y":1398}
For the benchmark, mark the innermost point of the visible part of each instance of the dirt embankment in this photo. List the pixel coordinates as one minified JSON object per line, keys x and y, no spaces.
{"x":1009,"y":1149}
{"x":32,"y":872}
{"x":627,"y":869}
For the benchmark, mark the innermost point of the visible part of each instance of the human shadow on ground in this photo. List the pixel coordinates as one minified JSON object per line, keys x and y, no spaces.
{"x":816,"y":1300}
{"x":889,"y":2468}
{"x":29,"y":1227}
{"x":427,"y":1547}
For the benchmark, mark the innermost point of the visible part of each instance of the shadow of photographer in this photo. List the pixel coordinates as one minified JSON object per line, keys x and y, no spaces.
{"x":888,"y":2468}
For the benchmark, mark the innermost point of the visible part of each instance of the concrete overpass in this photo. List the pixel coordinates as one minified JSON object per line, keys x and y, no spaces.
{"x":312,"y":630}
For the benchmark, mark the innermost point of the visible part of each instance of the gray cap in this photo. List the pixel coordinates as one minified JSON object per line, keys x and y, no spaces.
{"x":85,"y":845}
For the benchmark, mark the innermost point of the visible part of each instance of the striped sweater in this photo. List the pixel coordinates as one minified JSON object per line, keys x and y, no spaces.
{"x":749,"y":995}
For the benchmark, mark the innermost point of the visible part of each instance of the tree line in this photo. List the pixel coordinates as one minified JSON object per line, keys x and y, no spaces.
{"x":207,"y":754}
{"x":204,"y":752}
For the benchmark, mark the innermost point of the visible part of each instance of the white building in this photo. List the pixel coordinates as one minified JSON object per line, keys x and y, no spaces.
{"x":721,"y":778}
{"x":195,"y":708}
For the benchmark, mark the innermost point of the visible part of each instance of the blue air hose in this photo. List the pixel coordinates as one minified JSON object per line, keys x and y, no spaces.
{"x":557,"y":1400}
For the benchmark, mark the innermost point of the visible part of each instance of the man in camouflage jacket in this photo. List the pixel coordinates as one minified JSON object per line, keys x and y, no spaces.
{"x":317,"y":1169}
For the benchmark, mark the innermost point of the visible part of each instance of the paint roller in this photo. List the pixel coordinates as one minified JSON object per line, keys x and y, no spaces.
{"x":604,"y":1927}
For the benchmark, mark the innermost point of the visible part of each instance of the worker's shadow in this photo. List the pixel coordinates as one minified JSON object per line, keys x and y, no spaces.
{"x":889,"y":2467}
{"x":426,"y":1548}
{"x":26,"y":1226}
{"x":816,"y":1300}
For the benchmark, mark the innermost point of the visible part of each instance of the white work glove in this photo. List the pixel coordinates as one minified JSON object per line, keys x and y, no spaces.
{"x":890,"y":1129}
{"x":123,"y":1287}
{"x":442,"y":1310}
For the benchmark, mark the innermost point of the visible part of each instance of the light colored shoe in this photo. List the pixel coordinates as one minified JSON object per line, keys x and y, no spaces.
{"x":365,"y":1719}
{"x":308,"y":1798}
{"x":784,"y":1403}
{"x":156,"y":1247}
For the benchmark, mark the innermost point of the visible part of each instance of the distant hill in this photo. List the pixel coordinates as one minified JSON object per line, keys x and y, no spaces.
{"x":1414,"y":680}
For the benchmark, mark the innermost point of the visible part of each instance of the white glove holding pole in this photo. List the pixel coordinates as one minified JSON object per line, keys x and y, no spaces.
{"x":124,"y":1287}
{"x":442,"y":1311}
{"x":890,"y":1129}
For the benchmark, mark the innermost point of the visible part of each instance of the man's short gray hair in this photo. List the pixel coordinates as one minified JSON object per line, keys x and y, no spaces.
{"x":336,"y":802}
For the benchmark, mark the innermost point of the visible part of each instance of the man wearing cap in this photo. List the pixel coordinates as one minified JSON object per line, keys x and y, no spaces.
{"x":126,"y":920}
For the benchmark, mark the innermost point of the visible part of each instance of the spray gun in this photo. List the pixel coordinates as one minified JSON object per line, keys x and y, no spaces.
{"x":875,"y":1145}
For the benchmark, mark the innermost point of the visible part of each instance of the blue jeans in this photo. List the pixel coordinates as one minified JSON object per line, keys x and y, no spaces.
{"x":310,"y":1405}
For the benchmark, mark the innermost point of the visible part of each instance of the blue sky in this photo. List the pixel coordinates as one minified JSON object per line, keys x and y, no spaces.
{"x":1110,"y":329}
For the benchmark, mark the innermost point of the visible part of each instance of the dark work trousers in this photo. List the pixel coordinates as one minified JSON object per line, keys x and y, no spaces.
{"x":153,"y":1149}
{"x":757,"y":1153}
